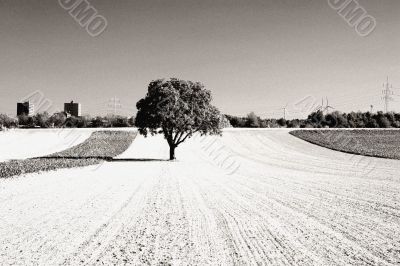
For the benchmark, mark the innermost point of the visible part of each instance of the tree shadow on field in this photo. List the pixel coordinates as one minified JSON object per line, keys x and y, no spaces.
{"x":105,"y":158}
{"x":138,"y":160}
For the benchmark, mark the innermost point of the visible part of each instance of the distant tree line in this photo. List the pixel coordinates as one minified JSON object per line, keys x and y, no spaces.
{"x":320,"y":119}
{"x":61,"y":120}
{"x":317,"y":119}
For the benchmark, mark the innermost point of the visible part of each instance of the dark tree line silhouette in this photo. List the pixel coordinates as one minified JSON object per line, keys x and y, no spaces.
{"x":314,"y":120}
{"x":320,"y":119}
{"x":60,"y":120}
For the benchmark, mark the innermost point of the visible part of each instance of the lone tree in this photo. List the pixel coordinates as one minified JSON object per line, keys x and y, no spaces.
{"x":178,"y":109}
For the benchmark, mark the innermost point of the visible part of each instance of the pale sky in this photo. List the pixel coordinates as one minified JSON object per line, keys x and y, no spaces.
{"x":254,"y":55}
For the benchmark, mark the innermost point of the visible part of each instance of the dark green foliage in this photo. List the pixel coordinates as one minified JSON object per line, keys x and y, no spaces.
{"x":60,"y":120}
{"x":42,"y":120}
{"x":237,"y":121}
{"x":376,"y":143}
{"x":177,"y":109}
{"x":253,"y":120}
{"x":282,"y":122}
{"x":100,"y":144}
{"x":295,"y":123}
{"x":26,"y":121}
{"x":57,"y":120}
{"x":19,"y":167}
{"x":7,"y":122}
{"x":319,"y":119}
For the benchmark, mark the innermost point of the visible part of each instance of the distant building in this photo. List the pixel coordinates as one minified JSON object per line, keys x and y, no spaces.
{"x":25,"y":108}
{"x":74,"y":109}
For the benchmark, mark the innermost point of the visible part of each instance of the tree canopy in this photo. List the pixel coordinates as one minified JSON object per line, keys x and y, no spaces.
{"x":177,"y":109}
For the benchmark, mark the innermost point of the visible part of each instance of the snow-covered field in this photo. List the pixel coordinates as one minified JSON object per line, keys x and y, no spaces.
{"x":27,"y":143}
{"x":250,"y":197}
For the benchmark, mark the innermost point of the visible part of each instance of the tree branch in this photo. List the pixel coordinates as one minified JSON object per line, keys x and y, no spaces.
{"x":180,"y":141}
{"x":176,"y":140}
{"x":176,"y":136}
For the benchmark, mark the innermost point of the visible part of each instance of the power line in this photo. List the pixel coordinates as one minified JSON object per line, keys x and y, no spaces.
{"x":284,"y":111}
{"x":387,"y":95}
{"x":114,"y":104}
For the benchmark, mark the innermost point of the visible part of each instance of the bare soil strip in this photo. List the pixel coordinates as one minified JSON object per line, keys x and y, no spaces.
{"x":18,"y":144}
{"x":100,"y":146}
{"x":375,"y":143}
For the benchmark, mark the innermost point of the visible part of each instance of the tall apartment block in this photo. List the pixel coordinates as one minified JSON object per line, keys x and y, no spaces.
{"x":25,"y":108}
{"x":72,"y":108}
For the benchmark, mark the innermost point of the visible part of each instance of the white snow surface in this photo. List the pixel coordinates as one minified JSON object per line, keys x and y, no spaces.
{"x":27,"y":143}
{"x":251,"y":197}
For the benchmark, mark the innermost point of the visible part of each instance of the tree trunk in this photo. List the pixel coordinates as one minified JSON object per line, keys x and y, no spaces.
{"x":172,"y":152}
